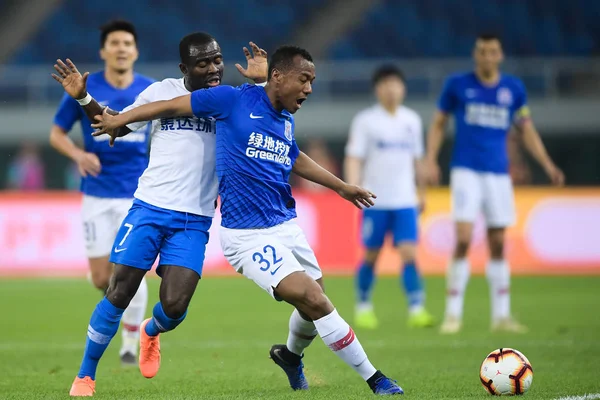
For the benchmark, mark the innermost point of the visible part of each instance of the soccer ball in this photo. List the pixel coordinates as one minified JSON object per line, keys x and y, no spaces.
{"x":506,"y":372}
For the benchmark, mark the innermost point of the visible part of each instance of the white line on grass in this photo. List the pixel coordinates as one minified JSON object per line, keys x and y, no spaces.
{"x":590,"y":396}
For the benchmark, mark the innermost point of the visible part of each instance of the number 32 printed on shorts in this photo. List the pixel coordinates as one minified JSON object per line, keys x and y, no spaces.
{"x":267,"y":259}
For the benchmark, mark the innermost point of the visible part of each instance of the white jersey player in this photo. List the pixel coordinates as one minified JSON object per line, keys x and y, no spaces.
{"x":485,"y":104}
{"x":384,"y":154}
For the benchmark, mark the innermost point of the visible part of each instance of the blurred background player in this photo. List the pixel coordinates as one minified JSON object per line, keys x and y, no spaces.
{"x":485,"y":104}
{"x":109,"y":175}
{"x":384,"y":154}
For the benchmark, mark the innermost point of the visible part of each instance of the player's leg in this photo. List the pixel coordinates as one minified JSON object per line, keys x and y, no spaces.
{"x":140,"y":236}
{"x":305,"y":294}
{"x":374,"y":227}
{"x":181,"y":262}
{"x":104,"y":324}
{"x":466,"y":205}
{"x":499,"y":211}
{"x":135,"y":312}
{"x":405,"y":232}
{"x":262,"y":256}
{"x":302,"y":330}
{"x":98,"y":233}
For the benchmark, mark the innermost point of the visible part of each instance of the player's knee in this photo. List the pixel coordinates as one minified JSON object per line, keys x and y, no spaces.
{"x":497,"y":249}
{"x":407,"y":252}
{"x":496,"y":243}
{"x":123,"y":285}
{"x":174,"y":306}
{"x":463,"y":241}
{"x":317,"y":304}
{"x":371,"y":256}
{"x":101,"y":280}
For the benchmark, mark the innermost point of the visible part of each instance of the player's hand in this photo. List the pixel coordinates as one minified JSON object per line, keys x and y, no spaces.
{"x":258,"y":67}
{"x":71,"y":80}
{"x":88,"y":164}
{"x":358,"y":196}
{"x":432,"y":172}
{"x":107,"y":124}
{"x":557,"y":177}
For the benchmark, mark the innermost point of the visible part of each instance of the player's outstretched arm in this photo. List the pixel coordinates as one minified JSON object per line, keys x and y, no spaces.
{"x":109,"y":124}
{"x":435,"y":138}
{"x":307,"y":168}
{"x":257,"y":68}
{"x":75,"y":85}
{"x":533,"y":143}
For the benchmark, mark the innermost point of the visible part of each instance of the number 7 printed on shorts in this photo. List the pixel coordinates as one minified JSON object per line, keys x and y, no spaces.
{"x":258,"y":258}
{"x":118,"y":248}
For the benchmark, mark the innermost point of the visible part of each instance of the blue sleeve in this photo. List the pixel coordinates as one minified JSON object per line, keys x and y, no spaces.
{"x":214,"y":102}
{"x":521,"y":108}
{"x":448,"y":101}
{"x":521,"y":98}
{"x":68,"y":113}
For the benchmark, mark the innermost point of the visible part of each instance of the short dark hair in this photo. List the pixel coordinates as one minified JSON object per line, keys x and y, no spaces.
{"x":116,"y":25}
{"x":386,"y":71}
{"x":283,"y":58}
{"x":193,"y":39}
{"x":487,"y":36}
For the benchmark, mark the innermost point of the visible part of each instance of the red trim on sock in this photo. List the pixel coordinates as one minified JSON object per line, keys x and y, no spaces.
{"x":453,"y":292}
{"x":503,"y":291}
{"x":130,"y":328}
{"x":343,"y":342}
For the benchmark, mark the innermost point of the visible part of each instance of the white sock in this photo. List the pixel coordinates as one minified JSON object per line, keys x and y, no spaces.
{"x":498,"y":275}
{"x":456,"y":283}
{"x":301,"y":335}
{"x":133,"y":317}
{"x":363,"y":306}
{"x":340,"y":338}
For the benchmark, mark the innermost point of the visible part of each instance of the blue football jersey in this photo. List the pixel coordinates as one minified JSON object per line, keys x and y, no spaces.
{"x":483,"y":116}
{"x":256,"y":150}
{"x":122,"y":164}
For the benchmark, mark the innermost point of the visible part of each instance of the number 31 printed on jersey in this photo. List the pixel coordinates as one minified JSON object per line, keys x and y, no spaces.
{"x":267,"y":258}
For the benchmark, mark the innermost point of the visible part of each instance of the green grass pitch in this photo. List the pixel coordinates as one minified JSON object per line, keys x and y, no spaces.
{"x":221,"y":350}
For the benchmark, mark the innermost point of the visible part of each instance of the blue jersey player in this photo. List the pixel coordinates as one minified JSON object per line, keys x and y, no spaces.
{"x":109,"y":175}
{"x":485,"y":104}
{"x":256,"y":152}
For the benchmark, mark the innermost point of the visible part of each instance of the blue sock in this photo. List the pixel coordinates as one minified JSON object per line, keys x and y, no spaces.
{"x":103,"y":326}
{"x":365,"y":278}
{"x":160,"y":322}
{"x":413,"y":286}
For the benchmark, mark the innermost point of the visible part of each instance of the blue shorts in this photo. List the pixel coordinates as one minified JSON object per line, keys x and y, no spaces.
{"x":402,"y":223}
{"x":147,"y":231}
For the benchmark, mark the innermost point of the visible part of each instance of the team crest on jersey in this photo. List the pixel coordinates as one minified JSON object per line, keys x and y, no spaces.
{"x":288,"y":130}
{"x":504,"y":96}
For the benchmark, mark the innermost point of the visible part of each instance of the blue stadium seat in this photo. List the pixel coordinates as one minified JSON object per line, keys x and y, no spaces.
{"x":161,"y":24}
{"x":434,"y":28}
{"x":391,"y":28}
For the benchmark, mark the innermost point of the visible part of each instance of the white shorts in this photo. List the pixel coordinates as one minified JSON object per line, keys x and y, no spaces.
{"x":268,"y":255}
{"x":102,"y":219}
{"x":475,"y":192}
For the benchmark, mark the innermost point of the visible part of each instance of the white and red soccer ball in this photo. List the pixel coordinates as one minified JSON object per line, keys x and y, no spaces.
{"x":506,"y":372}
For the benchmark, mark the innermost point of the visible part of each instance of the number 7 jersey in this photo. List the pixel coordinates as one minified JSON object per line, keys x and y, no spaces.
{"x":181,"y":172}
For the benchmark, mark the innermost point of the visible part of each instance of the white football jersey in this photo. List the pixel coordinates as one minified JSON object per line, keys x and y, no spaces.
{"x":181,"y":173}
{"x":388,"y":145}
